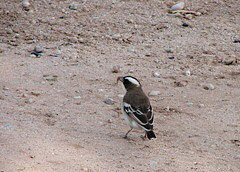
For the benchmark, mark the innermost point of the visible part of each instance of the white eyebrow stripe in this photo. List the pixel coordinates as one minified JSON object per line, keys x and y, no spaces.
{"x":132,"y":80}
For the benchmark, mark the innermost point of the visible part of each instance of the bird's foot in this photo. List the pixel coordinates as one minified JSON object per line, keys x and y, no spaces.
{"x":144,"y":137}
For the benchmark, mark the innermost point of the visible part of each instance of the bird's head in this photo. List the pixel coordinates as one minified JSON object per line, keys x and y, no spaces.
{"x":129,"y":82}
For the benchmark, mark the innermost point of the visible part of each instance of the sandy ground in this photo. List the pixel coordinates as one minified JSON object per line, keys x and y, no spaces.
{"x":52,"y":111}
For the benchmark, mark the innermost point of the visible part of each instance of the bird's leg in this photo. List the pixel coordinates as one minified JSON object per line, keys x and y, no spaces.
{"x":125,"y":137}
{"x":144,"y":137}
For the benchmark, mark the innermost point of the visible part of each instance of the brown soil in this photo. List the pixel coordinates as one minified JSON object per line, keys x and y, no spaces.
{"x":52,"y":111}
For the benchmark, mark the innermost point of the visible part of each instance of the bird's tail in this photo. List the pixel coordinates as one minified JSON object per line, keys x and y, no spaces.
{"x":150,"y":135}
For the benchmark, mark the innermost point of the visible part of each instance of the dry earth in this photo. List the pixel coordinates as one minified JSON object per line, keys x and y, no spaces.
{"x":52,"y":111}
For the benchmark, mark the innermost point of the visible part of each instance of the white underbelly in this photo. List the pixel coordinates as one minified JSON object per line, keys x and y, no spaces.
{"x":132,"y":123}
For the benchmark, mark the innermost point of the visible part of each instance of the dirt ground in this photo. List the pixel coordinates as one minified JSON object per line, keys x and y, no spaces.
{"x":52,"y":111}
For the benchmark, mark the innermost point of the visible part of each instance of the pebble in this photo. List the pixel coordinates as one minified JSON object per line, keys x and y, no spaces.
{"x":201,"y":105}
{"x":38,"y":51}
{"x":109,"y":101}
{"x":109,"y":121}
{"x":187,"y":72}
{"x":230,"y":60}
{"x":236,"y":41}
{"x":50,"y":77}
{"x":180,"y":83}
{"x":82,"y":41}
{"x":72,"y":7}
{"x":33,"y":55}
{"x":24,"y":95}
{"x":167,"y":109}
{"x":116,"y":69}
{"x":77,"y":97}
{"x":26,"y":5}
{"x":85,"y":169}
{"x":5,"y":88}
{"x":29,"y":101}
{"x":169,"y":50}
{"x":189,"y":103}
{"x":120,"y":95}
{"x":131,"y":71}
{"x":73,"y":40}
{"x":178,"y":6}
{"x":148,"y":54}
{"x":8,"y":30}
{"x":154,"y":93}
{"x":185,"y":24}
{"x":208,"y":87}
{"x":156,"y":74}
{"x":171,"y":57}
{"x":189,"y":16}
{"x":1,"y":97}
{"x":35,"y":93}
{"x":57,"y":53}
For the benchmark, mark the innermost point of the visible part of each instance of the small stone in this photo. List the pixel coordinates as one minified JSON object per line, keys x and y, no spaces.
{"x":187,"y":73}
{"x":116,"y":36}
{"x":57,"y":53}
{"x":208,"y":87}
{"x":73,"y":40}
{"x":178,"y":6}
{"x":171,"y":57}
{"x":8,"y":30}
{"x":185,"y":24}
{"x":120,"y":95}
{"x":100,"y":90}
{"x":109,"y":101}
{"x":26,"y":5}
{"x":161,"y":26}
{"x":17,"y":35}
{"x":230,"y":60}
{"x":156,"y":74}
{"x":38,"y":49}
{"x":29,"y":101}
{"x":82,"y":41}
{"x":201,"y":105}
{"x":189,"y":16}
{"x":169,"y":50}
{"x":131,"y":71}
{"x":35,"y":93}
{"x":5,"y":88}
{"x":77,"y":97}
{"x":148,"y":54}
{"x":50,"y":77}
{"x":167,"y":109}
{"x":154,"y":93}
{"x":109,"y":121}
{"x":24,"y":95}
{"x":1,"y":97}
{"x":236,"y":41}
{"x":85,"y":169}
{"x":72,"y":7}
{"x":33,"y":55}
{"x":180,"y":83}
{"x":198,"y":13}
{"x":116,"y":69}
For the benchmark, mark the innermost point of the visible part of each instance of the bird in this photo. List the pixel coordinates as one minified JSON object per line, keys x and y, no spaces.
{"x":136,"y":107}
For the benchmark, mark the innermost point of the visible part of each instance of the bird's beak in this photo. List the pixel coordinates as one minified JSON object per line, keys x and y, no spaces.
{"x":120,"y":79}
